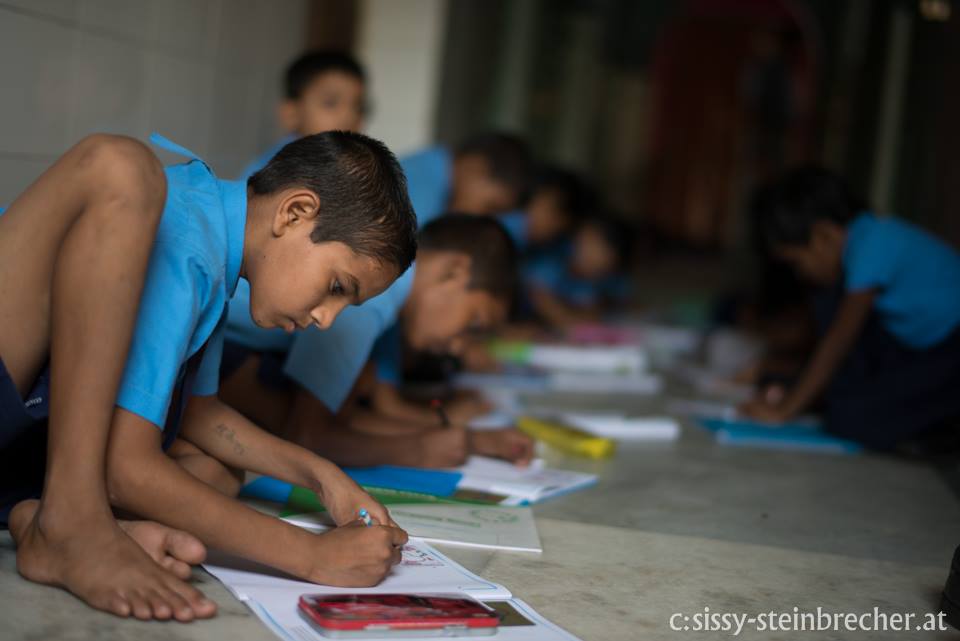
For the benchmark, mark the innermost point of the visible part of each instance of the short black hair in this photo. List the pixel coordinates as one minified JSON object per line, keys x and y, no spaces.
{"x":576,"y":197}
{"x":786,"y":209}
{"x":508,"y":158}
{"x":362,"y":190}
{"x":308,"y":66}
{"x":493,"y":257}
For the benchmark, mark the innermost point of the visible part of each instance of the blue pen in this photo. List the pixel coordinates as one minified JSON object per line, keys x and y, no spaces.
{"x":365,"y":517}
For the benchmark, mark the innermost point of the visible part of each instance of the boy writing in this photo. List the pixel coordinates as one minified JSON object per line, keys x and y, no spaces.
{"x":888,"y":363}
{"x":461,"y":284}
{"x":325,"y":224}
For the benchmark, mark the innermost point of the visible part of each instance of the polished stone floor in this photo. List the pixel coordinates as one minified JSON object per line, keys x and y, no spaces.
{"x":669,"y":529}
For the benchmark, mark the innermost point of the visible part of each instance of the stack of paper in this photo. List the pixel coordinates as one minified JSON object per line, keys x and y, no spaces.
{"x":578,"y":382}
{"x":520,"y":486}
{"x":273,"y":597}
{"x":650,"y":428}
{"x":611,"y":359}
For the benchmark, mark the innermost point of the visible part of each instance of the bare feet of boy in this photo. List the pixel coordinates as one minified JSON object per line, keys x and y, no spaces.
{"x":125,"y":568}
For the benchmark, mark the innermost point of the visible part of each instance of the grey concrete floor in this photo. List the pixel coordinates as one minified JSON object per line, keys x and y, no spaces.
{"x":669,"y":528}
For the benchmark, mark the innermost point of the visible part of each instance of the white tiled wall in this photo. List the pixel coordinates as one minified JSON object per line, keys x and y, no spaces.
{"x":205,"y":73}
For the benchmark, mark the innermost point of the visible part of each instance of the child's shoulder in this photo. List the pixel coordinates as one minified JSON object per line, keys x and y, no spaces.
{"x":426,"y":159}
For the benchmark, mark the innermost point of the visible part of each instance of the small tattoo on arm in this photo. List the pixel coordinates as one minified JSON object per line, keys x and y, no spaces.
{"x":231,"y":436}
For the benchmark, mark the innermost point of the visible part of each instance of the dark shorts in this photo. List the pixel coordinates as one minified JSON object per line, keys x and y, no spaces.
{"x":23,"y":441}
{"x":886,"y":393}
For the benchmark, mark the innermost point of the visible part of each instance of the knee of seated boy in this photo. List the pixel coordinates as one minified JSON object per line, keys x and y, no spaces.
{"x":129,"y":173}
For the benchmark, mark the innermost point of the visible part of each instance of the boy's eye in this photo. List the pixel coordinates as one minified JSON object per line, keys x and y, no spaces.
{"x":336,"y":288}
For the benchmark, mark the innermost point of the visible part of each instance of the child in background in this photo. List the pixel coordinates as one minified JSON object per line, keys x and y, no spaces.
{"x":558,"y":202}
{"x":330,"y":209}
{"x":461,"y":284}
{"x":888,"y":363}
{"x":487,"y":175}
{"x":323,"y":91}
{"x":589,"y":283}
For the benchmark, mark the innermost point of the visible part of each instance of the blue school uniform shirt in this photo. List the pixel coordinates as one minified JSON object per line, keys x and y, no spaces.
{"x":515,"y":223}
{"x":387,"y":356}
{"x":193,"y":270}
{"x":429,"y":175}
{"x":547,"y":267}
{"x":916,"y":275}
{"x":325,"y":363}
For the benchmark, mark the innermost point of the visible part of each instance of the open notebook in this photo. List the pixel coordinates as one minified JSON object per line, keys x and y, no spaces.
{"x":273,"y":596}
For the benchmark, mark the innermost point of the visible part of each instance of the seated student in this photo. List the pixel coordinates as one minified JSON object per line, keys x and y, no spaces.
{"x":330,"y":209}
{"x":588,"y":283}
{"x":558,"y":202}
{"x":488,"y":175}
{"x":888,"y":364}
{"x":73,"y":258}
{"x":461,"y":283}
{"x":322,"y":91}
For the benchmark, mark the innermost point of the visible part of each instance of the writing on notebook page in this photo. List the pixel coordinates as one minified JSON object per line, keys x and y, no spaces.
{"x":420,"y":557}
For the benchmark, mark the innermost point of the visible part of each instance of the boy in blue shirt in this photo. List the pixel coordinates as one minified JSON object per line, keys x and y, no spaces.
{"x":586,"y":281}
{"x":888,"y":364}
{"x":486,"y":175}
{"x":325,"y":224}
{"x":73,"y":258}
{"x":323,"y":90}
{"x":462,"y":283}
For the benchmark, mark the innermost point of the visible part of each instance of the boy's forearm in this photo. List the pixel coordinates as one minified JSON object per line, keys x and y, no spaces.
{"x":143,"y":480}
{"x":388,"y":402}
{"x":375,"y":423}
{"x":312,"y":426}
{"x":836,"y":344}
{"x":231,"y":438}
{"x":346,"y":446}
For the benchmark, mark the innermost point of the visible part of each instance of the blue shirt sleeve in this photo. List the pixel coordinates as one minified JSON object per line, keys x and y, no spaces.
{"x":163,"y":339}
{"x":428,"y":174}
{"x":870,"y":255}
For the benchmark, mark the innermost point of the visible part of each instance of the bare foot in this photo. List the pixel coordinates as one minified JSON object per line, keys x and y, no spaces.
{"x":104,"y":566}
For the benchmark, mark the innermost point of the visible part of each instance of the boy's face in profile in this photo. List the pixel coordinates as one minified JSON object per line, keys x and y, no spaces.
{"x":593,"y":255}
{"x":333,"y":100}
{"x":442,"y":316}
{"x":476,"y":191}
{"x":297,"y":282}
{"x":820,"y":260}
{"x":546,"y":217}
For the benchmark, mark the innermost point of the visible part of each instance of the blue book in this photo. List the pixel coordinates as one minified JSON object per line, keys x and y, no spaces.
{"x":267,"y":489}
{"x":406,"y":479}
{"x":789,"y":436}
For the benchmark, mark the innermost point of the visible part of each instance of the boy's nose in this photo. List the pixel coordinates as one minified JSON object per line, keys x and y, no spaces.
{"x":322,"y":319}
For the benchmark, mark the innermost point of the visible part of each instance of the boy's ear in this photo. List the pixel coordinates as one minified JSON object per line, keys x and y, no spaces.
{"x":295,"y":207}
{"x":288,"y":115}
